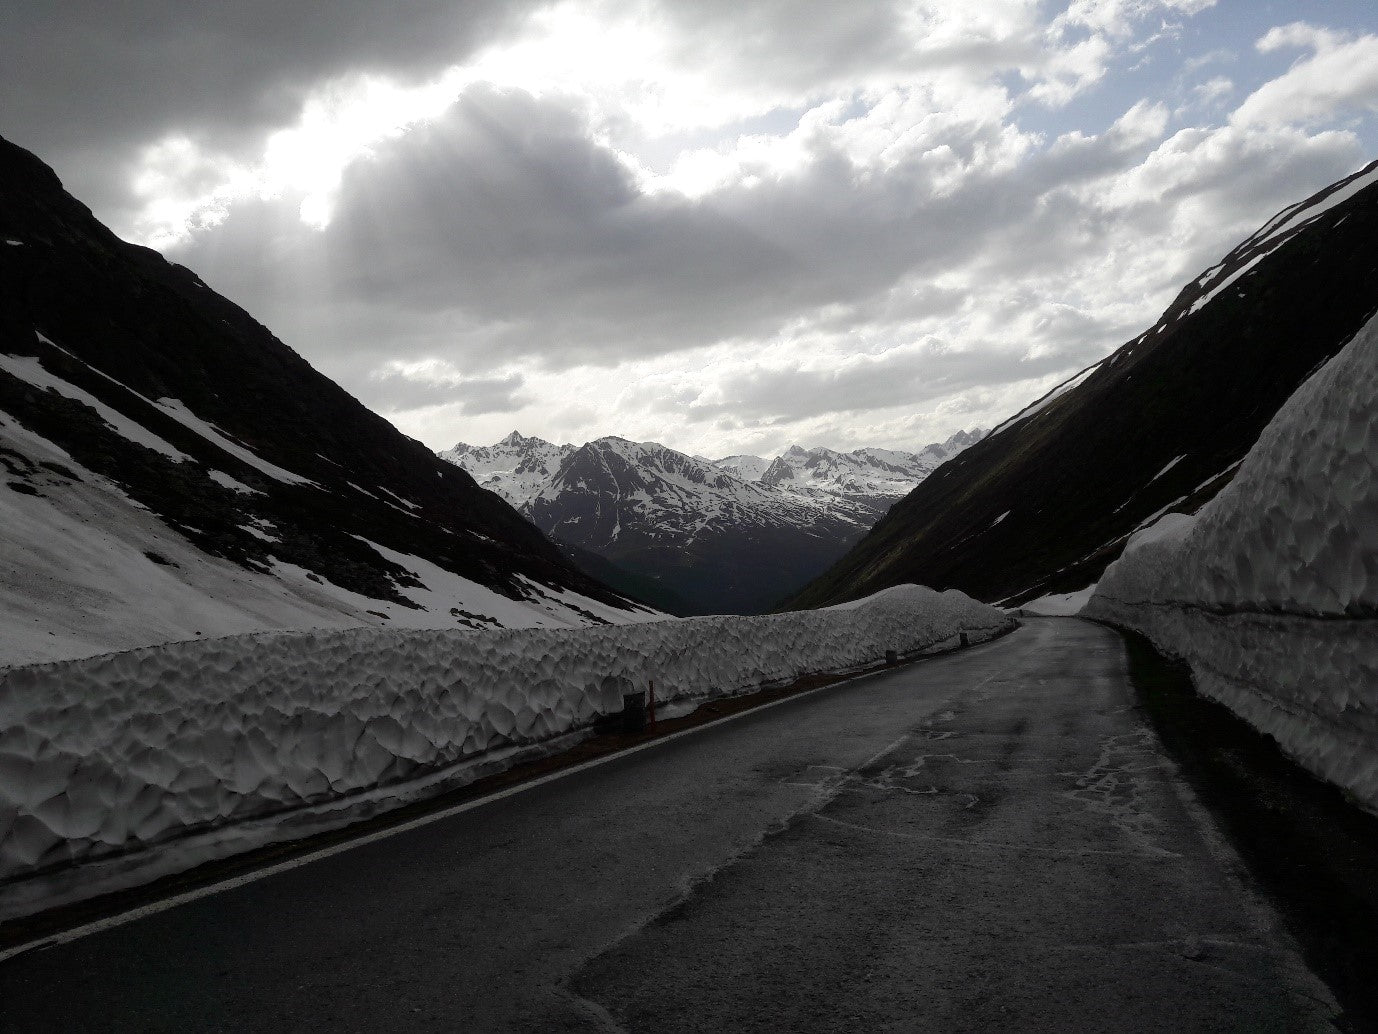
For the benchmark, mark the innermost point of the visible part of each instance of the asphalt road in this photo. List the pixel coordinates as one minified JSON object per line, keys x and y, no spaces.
{"x":991,"y":840}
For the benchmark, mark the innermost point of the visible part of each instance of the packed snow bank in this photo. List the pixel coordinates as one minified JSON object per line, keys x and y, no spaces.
{"x":1271,"y":591}
{"x":129,"y":753}
{"x":1065,"y":604}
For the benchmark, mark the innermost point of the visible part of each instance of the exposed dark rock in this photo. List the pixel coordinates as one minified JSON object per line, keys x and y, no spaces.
{"x":122,"y":324}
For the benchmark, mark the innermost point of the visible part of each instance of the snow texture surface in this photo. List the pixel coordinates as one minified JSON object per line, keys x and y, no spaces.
{"x":127,"y":753}
{"x":516,"y":468}
{"x":1270,"y":592}
{"x":1065,"y":604}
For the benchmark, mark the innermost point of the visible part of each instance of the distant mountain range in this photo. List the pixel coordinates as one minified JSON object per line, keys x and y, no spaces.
{"x":169,"y":469}
{"x":694,"y":535}
{"x":1048,"y":500}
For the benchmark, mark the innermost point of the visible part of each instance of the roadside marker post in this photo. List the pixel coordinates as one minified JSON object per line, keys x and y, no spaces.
{"x":634,"y":711}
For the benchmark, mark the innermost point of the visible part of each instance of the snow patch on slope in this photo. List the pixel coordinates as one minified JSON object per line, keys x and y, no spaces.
{"x":184,"y":416}
{"x":1294,"y":218}
{"x":78,"y":577}
{"x":748,"y":468}
{"x":1039,"y":405}
{"x":1062,"y":604}
{"x":1215,"y":291}
{"x":234,"y":484}
{"x":28,"y":368}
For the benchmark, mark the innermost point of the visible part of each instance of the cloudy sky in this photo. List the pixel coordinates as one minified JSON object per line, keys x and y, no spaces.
{"x":724,"y":226}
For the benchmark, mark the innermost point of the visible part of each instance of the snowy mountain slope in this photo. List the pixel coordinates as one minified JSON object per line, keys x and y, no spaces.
{"x":661,"y":493}
{"x":878,"y":476}
{"x":171,"y":469}
{"x":516,"y":468}
{"x":748,"y":468}
{"x":1270,"y":591}
{"x":869,"y":472}
{"x":1044,"y":503}
{"x":719,"y":543}
{"x":926,"y":459}
{"x":697,"y":536}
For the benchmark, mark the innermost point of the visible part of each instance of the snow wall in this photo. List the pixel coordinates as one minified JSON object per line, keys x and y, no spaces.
{"x":1270,"y":592}
{"x":135,"y":753}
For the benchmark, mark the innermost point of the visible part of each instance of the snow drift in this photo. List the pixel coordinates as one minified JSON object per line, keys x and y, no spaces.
{"x":1271,"y":591}
{"x":130,"y":753}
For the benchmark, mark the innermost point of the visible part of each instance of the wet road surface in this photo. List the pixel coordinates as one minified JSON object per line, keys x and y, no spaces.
{"x":991,"y":840}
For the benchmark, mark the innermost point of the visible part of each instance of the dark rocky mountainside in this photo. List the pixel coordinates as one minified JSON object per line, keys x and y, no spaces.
{"x":152,"y":383}
{"x":1045,"y":502}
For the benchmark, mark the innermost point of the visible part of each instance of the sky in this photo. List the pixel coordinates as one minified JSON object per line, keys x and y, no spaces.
{"x":725,"y":227}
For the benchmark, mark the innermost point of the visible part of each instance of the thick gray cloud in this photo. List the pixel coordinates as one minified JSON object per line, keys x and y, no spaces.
{"x":830,"y":43}
{"x":908,"y":378}
{"x":471,"y":396}
{"x":506,"y":210}
{"x":88,"y":80}
{"x":792,"y":212}
{"x":503,"y":234}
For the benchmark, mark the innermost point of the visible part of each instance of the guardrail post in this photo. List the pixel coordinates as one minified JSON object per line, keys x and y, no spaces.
{"x":634,"y":711}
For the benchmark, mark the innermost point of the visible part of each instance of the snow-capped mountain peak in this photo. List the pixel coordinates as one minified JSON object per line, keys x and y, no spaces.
{"x":516,"y":468}
{"x":746,"y":467}
{"x":873,"y":474}
{"x":779,"y":472}
{"x":691,"y":523}
{"x":516,"y":440}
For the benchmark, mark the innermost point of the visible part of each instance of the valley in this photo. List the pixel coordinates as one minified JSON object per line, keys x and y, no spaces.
{"x":692,"y":535}
{"x":933,"y":583}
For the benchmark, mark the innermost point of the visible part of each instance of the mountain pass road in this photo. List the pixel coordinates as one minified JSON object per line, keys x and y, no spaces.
{"x":992,"y":840}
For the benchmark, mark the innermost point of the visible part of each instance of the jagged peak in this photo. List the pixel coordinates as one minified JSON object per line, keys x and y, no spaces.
{"x":964,"y":437}
{"x":778,"y":471}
